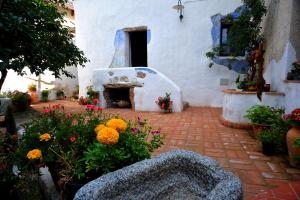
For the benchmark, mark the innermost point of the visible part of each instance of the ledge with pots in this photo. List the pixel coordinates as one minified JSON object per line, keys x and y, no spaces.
{"x":236,"y":103}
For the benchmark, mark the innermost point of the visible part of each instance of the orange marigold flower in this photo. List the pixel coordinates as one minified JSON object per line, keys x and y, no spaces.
{"x":99,"y":128}
{"x":108,"y":136}
{"x":45,"y":137}
{"x":117,"y":124}
{"x":34,"y":154}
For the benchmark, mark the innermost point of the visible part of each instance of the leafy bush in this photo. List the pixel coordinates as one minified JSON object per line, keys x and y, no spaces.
{"x":45,"y":94}
{"x":32,"y":87}
{"x":81,"y":147}
{"x":20,"y":100}
{"x":265,"y":115}
{"x":276,"y":136}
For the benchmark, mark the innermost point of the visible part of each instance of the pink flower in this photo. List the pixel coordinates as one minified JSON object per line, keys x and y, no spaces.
{"x":46,"y":110}
{"x":72,"y":139}
{"x":68,"y":115}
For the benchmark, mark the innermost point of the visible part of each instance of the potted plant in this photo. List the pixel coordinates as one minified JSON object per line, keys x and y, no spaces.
{"x":44,"y":95}
{"x":32,"y":87}
{"x":295,"y":71}
{"x":78,"y":148}
{"x":165,"y":103}
{"x":60,"y":94}
{"x":91,"y":93}
{"x":20,"y":100}
{"x":263,"y":118}
{"x":273,"y":140}
{"x":293,"y":137}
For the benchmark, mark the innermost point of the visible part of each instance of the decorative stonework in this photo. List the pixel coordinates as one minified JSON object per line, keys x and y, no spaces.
{"x":124,"y":79}
{"x":140,"y":75}
{"x":174,"y":175}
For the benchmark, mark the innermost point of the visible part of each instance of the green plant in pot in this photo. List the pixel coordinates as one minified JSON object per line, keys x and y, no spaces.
{"x":273,"y":140}
{"x":60,"y":94}
{"x":32,"y":87}
{"x":44,"y":95}
{"x":91,"y":93}
{"x":263,"y":117}
{"x":20,"y":100}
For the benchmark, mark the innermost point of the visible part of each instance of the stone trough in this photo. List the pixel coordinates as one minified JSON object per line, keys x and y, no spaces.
{"x":174,"y":175}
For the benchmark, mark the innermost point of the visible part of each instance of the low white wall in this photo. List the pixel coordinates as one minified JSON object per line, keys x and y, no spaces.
{"x":154,"y":84}
{"x":292,"y":98}
{"x":235,"y":105}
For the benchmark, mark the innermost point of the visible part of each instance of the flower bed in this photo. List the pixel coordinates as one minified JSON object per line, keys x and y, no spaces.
{"x":78,"y":148}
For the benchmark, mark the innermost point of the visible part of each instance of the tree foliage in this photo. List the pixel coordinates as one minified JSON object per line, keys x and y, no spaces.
{"x":245,"y":31}
{"x":32,"y":36}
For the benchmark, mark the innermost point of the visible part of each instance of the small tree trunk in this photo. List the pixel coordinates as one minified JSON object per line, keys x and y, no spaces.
{"x":260,"y":78}
{"x":3,"y":77}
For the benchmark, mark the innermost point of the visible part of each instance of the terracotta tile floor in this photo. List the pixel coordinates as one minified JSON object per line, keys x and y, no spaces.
{"x":198,"y":129}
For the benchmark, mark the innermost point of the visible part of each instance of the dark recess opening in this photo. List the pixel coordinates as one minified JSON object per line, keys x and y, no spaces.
{"x":138,"y":45}
{"x":117,"y":97}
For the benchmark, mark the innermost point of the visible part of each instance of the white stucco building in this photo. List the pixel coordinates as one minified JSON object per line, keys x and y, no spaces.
{"x":120,"y":34}
{"x":175,"y":48}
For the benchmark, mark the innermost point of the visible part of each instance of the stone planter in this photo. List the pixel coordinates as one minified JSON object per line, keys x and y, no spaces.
{"x":173,"y":175}
{"x":294,"y":152}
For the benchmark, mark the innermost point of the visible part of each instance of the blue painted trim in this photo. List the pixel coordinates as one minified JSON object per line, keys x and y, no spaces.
{"x":145,"y":69}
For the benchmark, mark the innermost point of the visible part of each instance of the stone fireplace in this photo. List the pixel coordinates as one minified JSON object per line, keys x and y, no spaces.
{"x":135,"y":87}
{"x":119,"y":95}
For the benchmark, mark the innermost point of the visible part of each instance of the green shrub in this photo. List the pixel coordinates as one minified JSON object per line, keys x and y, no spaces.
{"x":20,"y":100}
{"x":276,"y":136}
{"x":45,"y":95}
{"x":265,"y":115}
{"x":79,"y":148}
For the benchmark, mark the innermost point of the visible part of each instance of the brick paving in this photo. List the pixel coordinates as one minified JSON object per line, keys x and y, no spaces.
{"x":199,"y":129}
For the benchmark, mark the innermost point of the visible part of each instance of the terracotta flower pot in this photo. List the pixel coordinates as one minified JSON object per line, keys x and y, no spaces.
{"x":256,"y":128}
{"x":294,"y":152}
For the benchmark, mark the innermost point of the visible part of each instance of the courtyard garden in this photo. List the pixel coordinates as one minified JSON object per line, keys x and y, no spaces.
{"x":124,"y":130}
{"x":69,"y":138}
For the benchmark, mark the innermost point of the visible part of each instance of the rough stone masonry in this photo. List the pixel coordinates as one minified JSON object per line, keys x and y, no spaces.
{"x":174,"y":175}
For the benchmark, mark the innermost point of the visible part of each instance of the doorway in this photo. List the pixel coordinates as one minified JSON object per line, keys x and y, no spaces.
{"x":138,"y":48}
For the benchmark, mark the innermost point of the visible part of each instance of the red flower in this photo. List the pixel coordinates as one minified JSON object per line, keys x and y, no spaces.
{"x":56,"y":106}
{"x":95,"y":101}
{"x":72,"y":139}
{"x":14,"y":137}
{"x":46,"y":110}
{"x":68,"y":115}
{"x":99,"y":109}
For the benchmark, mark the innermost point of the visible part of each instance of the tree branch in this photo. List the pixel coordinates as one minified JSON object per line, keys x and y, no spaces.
{"x":3,"y":77}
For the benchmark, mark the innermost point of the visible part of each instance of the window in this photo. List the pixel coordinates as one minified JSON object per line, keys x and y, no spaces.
{"x":225,"y":50}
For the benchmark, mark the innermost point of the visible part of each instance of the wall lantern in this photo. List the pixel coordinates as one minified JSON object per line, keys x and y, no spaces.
{"x":179,"y":7}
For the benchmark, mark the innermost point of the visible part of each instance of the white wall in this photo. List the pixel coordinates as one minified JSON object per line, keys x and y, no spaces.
{"x":47,"y":81}
{"x":177,"y":49}
{"x":282,"y":48}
